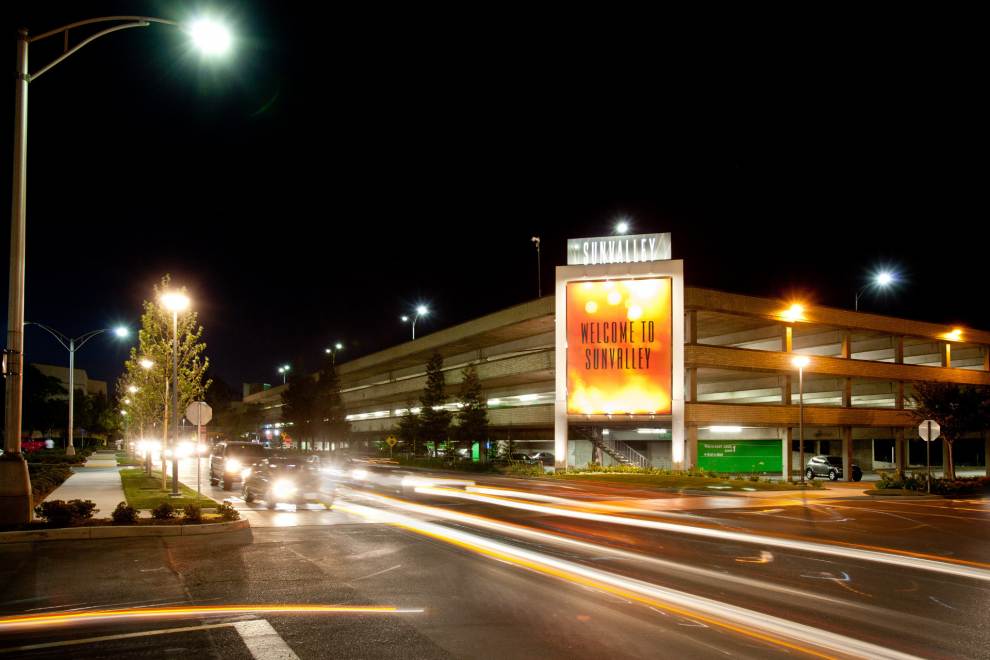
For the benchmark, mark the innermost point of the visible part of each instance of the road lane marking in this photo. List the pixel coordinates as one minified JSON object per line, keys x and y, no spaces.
{"x":263,"y":642}
{"x":110,"y":638}
{"x":50,"y":618}
{"x":901,"y":558}
{"x":750,"y":623}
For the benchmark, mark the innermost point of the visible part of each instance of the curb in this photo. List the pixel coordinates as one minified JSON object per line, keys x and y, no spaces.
{"x":86,"y":533}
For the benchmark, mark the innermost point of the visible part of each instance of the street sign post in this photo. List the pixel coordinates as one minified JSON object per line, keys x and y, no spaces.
{"x":391,"y":441}
{"x":199,"y":413}
{"x":929,"y":430}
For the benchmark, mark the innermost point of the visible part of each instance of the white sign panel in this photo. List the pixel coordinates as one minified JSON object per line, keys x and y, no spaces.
{"x":632,"y":249}
{"x":199,"y":412}
{"x":929,"y":430}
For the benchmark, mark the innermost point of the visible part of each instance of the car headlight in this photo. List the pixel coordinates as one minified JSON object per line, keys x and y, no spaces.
{"x":245,"y":473}
{"x":359,"y":474}
{"x":232,"y":465}
{"x":283,"y":488}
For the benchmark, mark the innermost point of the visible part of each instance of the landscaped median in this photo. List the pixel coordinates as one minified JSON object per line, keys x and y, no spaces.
{"x":916,"y":485}
{"x":668,"y":479}
{"x":144,"y":492}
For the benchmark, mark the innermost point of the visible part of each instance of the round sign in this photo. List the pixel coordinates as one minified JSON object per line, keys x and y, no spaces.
{"x":929,"y":430}
{"x":199,"y":412}
{"x":391,"y":440}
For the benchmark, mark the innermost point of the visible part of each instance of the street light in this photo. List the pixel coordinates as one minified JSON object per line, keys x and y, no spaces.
{"x":801,"y":362}
{"x":15,"y":502}
{"x":284,"y":370}
{"x":421,"y":310}
{"x":175,"y":302}
{"x":539,"y":272}
{"x":146,"y":364}
{"x":73,"y":344}
{"x":881,"y":280}
{"x":332,"y":352}
{"x":622,"y":226}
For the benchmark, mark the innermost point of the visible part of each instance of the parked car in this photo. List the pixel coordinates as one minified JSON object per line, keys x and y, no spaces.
{"x":228,"y":459}
{"x":544,"y":457}
{"x":521,"y":457}
{"x":829,"y":467}
{"x":284,"y":480}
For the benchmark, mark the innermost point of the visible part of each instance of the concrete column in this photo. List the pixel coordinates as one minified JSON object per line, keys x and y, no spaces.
{"x":986,"y":358}
{"x":845,"y":352}
{"x":785,"y":391}
{"x":946,"y":354}
{"x":900,"y":451}
{"x":692,"y":385}
{"x":847,"y":393}
{"x":787,"y":339}
{"x":691,"y":327}
{"x":986,"y":453}
{"x":691,"y":456}
{"x":785,"y":453}
{"x":847,"y":450}
{"x":899,"y":350}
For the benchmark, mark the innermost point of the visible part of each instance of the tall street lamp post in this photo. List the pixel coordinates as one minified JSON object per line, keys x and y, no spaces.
{"x":175,"y":303}
{"x":73,"y":344}
{"x":801,"y":362}
{"x":284,"y":370}
{"x":421,"y":310}
{"x":539,"y":271}
{"x":332,"y":352}
{"x":15,"y":485}
{"x":881,"y":280}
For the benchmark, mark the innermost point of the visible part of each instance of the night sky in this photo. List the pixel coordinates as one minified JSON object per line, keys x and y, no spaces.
{"x":338,"y":167}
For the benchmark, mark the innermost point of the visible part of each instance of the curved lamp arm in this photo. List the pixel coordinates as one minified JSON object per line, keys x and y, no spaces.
{"x":62,"y":339}
{"x":131,"y":22}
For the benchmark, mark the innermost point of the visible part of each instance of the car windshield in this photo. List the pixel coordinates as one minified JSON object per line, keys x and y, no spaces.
{"x":246,"y":451}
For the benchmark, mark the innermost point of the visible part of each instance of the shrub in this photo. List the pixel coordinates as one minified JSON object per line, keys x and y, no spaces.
{"x":124,"y":514}
{"x":522,"y":469}
{"x":228,"y":512}
{"x":164,"y":511}
{"x":192,"y":513}
{"x":59,"y":513}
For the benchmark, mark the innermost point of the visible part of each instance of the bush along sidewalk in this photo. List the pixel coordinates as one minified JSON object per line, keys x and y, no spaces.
{"x":59,"y":514}
{"x":918,"y":483}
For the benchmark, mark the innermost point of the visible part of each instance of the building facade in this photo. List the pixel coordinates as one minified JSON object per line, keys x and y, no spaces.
{"x":741,"y":390}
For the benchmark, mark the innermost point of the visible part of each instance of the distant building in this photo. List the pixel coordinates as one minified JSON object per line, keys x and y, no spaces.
{"x":88,"y":385}
{"x":254,"y":388}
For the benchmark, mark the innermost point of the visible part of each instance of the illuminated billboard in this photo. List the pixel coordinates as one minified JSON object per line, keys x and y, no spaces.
{"x":619,"y":338}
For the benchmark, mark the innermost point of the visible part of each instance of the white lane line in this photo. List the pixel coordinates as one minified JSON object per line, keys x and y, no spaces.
{"x":110,"y":638}
{"x":899,"y":560}
{"x":263,"y":642}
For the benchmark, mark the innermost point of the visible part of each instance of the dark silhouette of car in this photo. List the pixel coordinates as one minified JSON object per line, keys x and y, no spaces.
{"x":229,"y":459}
{"x":285,"y":480}
{"x":829,"y":467}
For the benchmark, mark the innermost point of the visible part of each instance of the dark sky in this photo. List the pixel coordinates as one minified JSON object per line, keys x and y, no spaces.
{"x":340,"y":167}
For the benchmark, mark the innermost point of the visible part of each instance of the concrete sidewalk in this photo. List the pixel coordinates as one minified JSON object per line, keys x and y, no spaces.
{"x":100,"y":484}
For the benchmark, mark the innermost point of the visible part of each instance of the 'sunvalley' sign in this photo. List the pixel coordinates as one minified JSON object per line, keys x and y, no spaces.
{"x":618,"y":249}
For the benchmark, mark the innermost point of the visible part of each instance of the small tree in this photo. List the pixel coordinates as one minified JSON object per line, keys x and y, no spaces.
{"x":958,"y":409}
{"x":472,"y":417}
{"x":408,"y":429}
{"x":434,"y":419}
{"x":299,"y":407}
{"x":332,"y":424}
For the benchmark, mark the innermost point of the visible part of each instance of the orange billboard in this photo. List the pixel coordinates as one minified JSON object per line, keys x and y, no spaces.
{"x":619,"y":358}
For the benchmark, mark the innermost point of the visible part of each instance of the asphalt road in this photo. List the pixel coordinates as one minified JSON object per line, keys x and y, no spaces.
{"x":508,"y":568}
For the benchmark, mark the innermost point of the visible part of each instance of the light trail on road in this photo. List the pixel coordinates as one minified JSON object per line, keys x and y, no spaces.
{"x":766,"y":628}
{"x":54,"y":618}
{"x":901,"y":559}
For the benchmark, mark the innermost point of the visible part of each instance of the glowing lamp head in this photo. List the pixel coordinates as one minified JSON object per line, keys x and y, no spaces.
{"x":132,"y":389}
{"x":327,"y":351}
{"x":884,"y":278}
{"x":794,"y":313}
{"x":175,"y":302}
{"x":404,"y":318}
{"x":210,"y":37}
{"x":422,"y":310}
{"x":801,"y":361}
{"x":621,"y":227}
{"x":121,"y":331}
{"x":146,"y":364}
{"x":955,"y":335}
{"x":338,"y":346}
